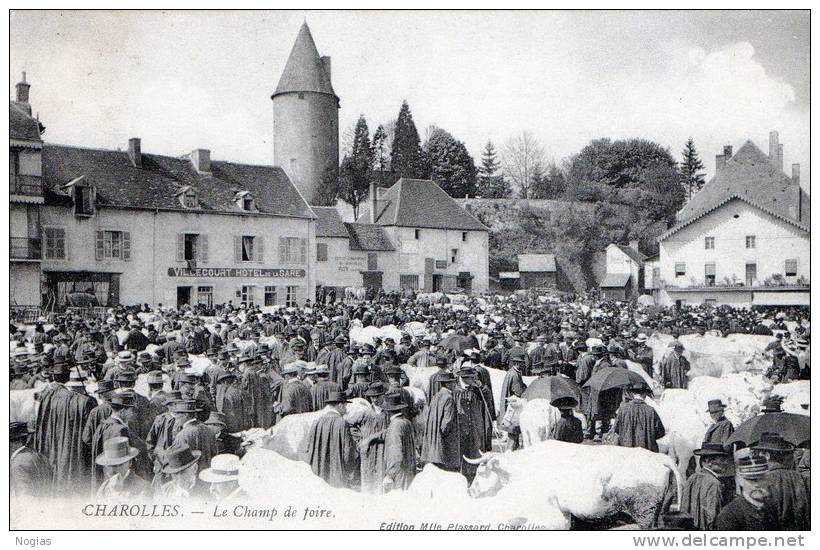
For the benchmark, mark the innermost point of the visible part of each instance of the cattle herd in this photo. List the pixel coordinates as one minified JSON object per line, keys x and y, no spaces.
{"x":236,"y":365}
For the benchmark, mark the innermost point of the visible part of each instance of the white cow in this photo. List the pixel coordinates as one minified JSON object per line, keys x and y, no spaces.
{"x":534,"y":417}
{"x":589,"y":482}
{"x":795,"y":395}
{"x":23,"y":407}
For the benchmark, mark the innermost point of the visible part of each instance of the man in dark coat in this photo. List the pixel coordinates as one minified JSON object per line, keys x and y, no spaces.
{"x":750,"y":509}
{"x":116,"y":426}
{"x":568,"y":428}
{"x":371,"y":446}
{"x":323,"y":387}
{"x":789,"y":494}
{"x":162,"y":432}
{"x":105,"y":391}
{"x":234,"y":403}
{"x":638,"y":424}
{"x":441,"y":445}
{"x":61,"y":417}
{"x":642,"y":354}
{"x":399,"y":446}
{"x":294,"y":397}
{"x":474,"y":421}
{"x":193,"y":433}
{"x":721,"y":428}
{"x":674,"y":369}
{"x":30,"y":473}
{"x":513,"y":385}
{"x":434,"y":384}
{"x":335,"y":360}
{"x":331,"y":451}
{"x":705,"y":493}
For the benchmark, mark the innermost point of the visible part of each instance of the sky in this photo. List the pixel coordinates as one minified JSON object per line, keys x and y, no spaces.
{"x":185,"y":79}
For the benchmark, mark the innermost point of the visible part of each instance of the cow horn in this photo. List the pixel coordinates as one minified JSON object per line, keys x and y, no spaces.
{"x":485,"y":457}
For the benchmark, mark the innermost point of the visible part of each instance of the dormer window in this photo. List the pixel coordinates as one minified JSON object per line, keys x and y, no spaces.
{"x":245,"y":201}
{"x":83,"y":195}
{"x":188,"y":197}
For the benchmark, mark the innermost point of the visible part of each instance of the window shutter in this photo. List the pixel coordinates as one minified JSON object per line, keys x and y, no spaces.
{"x":282,"y":250}
{"x":710,"y":269}
{"x":302,"y":251}
{"x":126,"y":246}
{"x":180,"y":247}
{"x":237,"y":249}
{"x":202,"y":249}
{"x":260,"y":248}
{"x":98,"y":249}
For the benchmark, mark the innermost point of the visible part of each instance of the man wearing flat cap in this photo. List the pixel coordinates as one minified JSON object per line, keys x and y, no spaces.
{"x":332,"y":453}
{"x":707,"y":491}
{"x":116,"y":462}
{"x":29,"y":471}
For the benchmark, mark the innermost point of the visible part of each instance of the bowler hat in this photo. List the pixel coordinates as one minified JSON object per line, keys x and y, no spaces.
{"x":360,"y":368}
{"x":179,"y":458}
{"x":375,"y":389}
{"x":225,"y":376}
{"x":711,"y":449}
{"x":290,"y":368}
{"x":715,"y":405}
{"x":445,"y":377}
{"x":770,"y":441}
{"x":224,"y":468}
{"x":393,"y":402}
{"x":442,"y":362}
{"x":183,"y":406}
{"x":467,"y":372}
{"x":105,"y":386}
{"x":340,"y":339}
{"x":155,"y":377}
{"x":116,"y":450}
{"x":599,"y":350}
{"x":123,"y":399}
{"x":126,"y":375}
{"x":567,"y":402}
{"x":336,"y":397}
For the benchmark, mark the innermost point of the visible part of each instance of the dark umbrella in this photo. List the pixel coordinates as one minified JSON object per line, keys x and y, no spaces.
{"x":552,"y":388}
{"x":794,"y":428}
{"x":458,"y":342}
{"x":609,"y":378}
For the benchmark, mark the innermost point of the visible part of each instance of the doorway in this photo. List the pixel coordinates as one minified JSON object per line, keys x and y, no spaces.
{"x":183,"y":296}
{"x":751,"y":273}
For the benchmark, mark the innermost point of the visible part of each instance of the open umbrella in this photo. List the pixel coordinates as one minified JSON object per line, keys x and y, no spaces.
{"x":794,"y":428}
{"x":553,"y":387}
{"x":609,"y":378}
{"x":458,"y":342}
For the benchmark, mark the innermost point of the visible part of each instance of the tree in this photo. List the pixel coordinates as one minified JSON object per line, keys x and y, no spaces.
{"x":381,"y":154}
{"x":549,"y":184}
{"x":691,"y":176}
{"x":451,"y":166}
{"x":489,"y":163}
{"x":522,"y":154}
{"x":406,"y":156}
{"x":357,"y":167}
{"x":329,"y":189}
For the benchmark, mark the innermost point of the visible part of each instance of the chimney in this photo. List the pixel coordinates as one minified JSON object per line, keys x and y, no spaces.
{"x":780,"y":157}
{"x":373,"y":201}
{"x":720,"y":163}
{"x":634,"y":245}
{"x":774,"y":148}
{"x":727,"y":151}
{"x":135,"y":152}
{"x":201,"y":159}
{"x":22,"y":90}
{"x":796,"y":174}
{"x":326,"y":64}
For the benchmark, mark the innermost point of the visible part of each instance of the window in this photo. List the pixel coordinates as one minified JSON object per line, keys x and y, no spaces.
{"x":372,"y":261}
{"x":290,"y":296}
{"x":464,"y":236}
{"x":247,"y":249}
{"x":189,"y":198}
{"x":409,"y":282}
{"x":292,"y":250}
{"x":709,"y":274}
{"x":113,"y":245}
{"x":83,"y":200}
{"x":55,"y":247}
{"x":709,"y":243}
{"x":791,"y":268}
{"x":417,"y":233}
{"x":247,"y":296}
{"x":247,"y":204}
{"x":244,"y":200}
{"x":270,"y":295}
{"x":205,"y":296}
{"x":14,"y":167}
{"x":192,"y":247}
{"x":750,"y":241}
{"x":454,"y":256}
{"x":680,"y":269}
{"x":321,"y":252}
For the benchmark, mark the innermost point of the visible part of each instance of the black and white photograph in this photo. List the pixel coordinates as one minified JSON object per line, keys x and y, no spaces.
{"x":484,"y":270}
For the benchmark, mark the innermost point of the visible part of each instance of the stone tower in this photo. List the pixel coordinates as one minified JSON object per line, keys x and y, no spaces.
{"x":306,"y":118}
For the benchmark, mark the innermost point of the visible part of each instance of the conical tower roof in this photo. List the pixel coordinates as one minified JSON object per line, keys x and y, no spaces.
{"x":304,"y":70}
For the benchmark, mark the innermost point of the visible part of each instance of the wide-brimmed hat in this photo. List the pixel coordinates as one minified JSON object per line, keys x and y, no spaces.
{"x":187,"y":378}
{"x":360,"y":368}
{"x":19,"y":430}
{"x":770,"y":441}
{"x":116,"y":450}
{"x":290,"y":368}
{"x":393,"y":370}
{"x":467,"y":372}
{"x":154,"y":377}
{"x":126,"y":375}
{"x":393,"y":402}
{"x":375,"y":389}
{"x":641,"y":337}
{"x":446,"y":377}
{"x":182,"y":362}
{"x":366,"y":349}
{"x":321,"y":369}
{"x":336,"y":397}
{"x":567,"y":402}
{"x":340,"y":339}
{"x":183,"y":406}
{"x":105,"y":386}
{"x":224,"y":468}
{"x":715,"y":405}
{"x":773,"y":404}
{"x":125,"y":356}
{"x":579,"y":345}
{"x":442,"y":362}
{"x":711,"y":449}
{"x":179,"y":458}
{"x":217,"y":419}
{"x":123,"y":399}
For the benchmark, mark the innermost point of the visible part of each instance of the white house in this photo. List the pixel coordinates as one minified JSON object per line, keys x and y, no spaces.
{"x":624,"y":272}
{"x":743,"y":239}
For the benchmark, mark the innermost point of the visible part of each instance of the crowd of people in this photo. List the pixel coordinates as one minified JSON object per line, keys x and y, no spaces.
{"x":96,"y":435}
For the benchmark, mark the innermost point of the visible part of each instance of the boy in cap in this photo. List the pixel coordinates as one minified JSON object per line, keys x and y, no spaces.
{"x":120,"y":482}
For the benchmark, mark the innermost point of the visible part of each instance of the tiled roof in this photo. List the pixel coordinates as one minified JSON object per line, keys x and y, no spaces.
{"x":632,"y":253}
{"x":304,"y":70}
{"x":538,"y":263}
{"x":368,"y":236}
{"x":156,"y":184}
{"x":421,"y":203}
{"x":22,"y":125}
{"x":329,"y":222}
{"x":751,"y":177}
{"x":615,"y":280}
